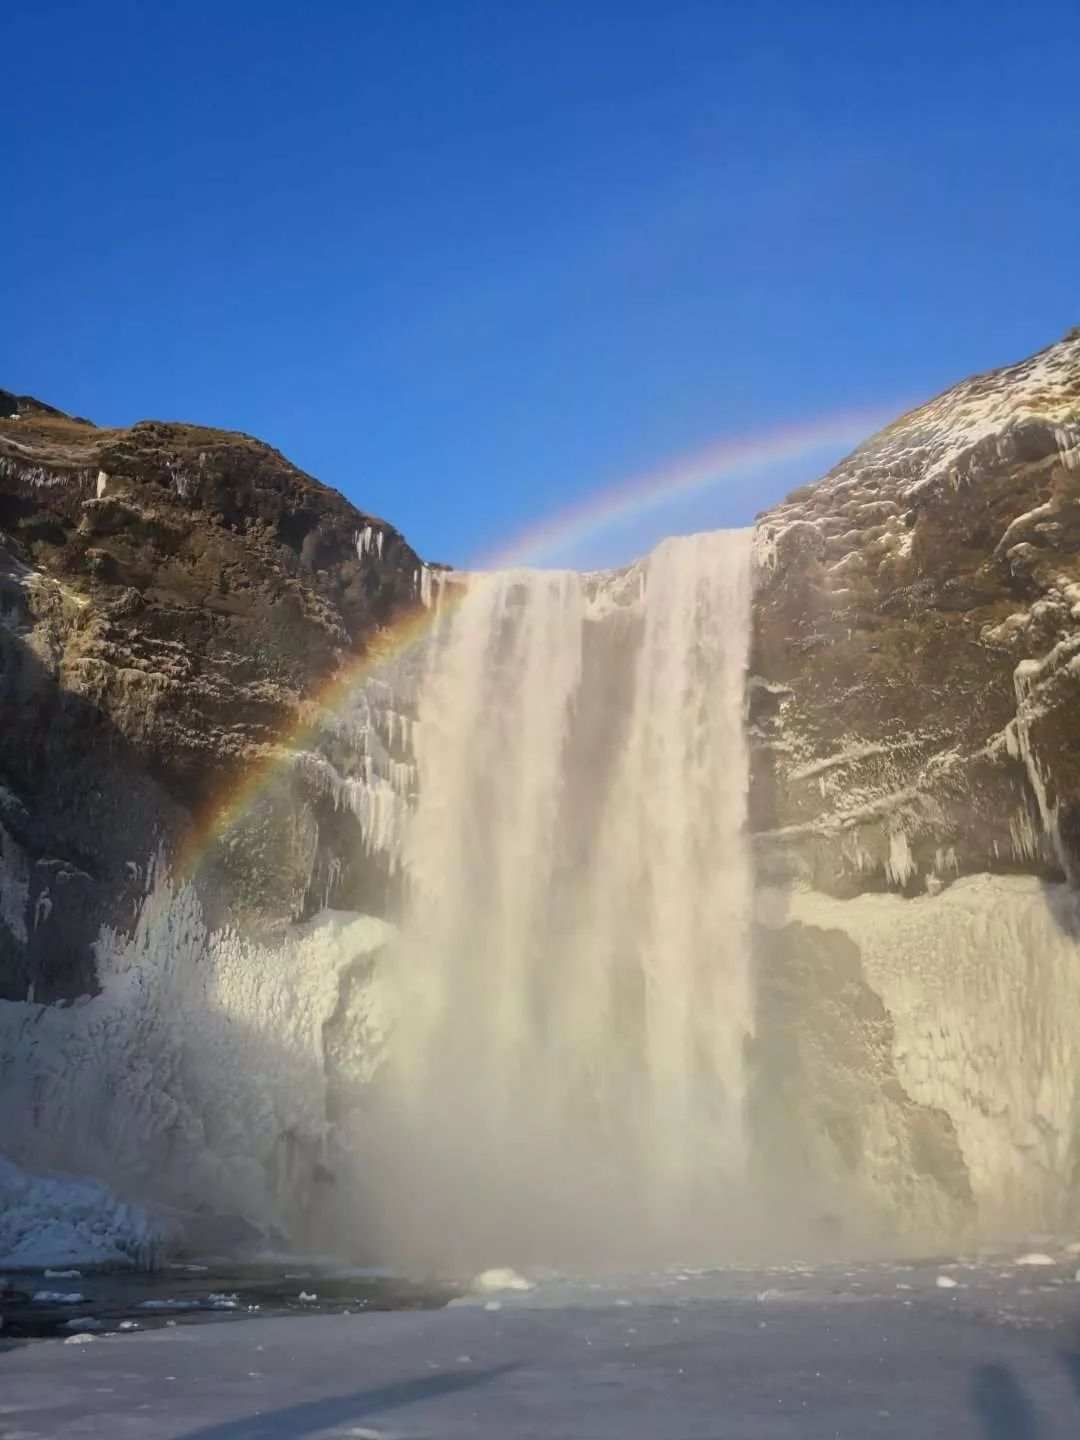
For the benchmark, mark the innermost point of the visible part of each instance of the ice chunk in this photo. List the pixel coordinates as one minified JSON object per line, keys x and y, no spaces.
{"x":501,"y":1279}
{"x":53,"y":1219}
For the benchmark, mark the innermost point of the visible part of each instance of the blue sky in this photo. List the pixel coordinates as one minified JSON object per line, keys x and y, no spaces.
{"x":471,"y":260}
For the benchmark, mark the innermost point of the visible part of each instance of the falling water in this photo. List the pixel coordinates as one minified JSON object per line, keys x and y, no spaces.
{"x":566,"y":1076}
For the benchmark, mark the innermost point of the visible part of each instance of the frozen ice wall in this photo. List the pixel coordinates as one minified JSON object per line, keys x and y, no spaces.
{"x":979,"y":989}
{"x":195,"y":1082}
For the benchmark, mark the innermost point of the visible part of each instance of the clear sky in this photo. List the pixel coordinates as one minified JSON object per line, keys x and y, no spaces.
{"x":471,"y":261}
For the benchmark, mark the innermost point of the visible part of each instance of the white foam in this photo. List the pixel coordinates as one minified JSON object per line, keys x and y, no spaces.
{"x":573,"y":976}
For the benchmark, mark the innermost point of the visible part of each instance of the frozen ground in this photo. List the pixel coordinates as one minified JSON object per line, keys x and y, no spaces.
{"x":863,"y":1352}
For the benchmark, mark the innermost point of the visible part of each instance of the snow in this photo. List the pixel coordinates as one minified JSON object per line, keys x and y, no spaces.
{"x":859,"y":516}
{"x":772,"y":687}
{"x":987,"y":407}
{"x":1024,"y":522}
{"x":572,"y":1364}
{"x":859,"y":785}
{"x":831,"y":824}
{"x":52,"y":1219}
{"x":853,"y":753}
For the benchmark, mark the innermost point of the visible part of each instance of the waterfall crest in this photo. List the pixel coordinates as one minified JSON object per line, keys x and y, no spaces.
{"x":565,"y":1075}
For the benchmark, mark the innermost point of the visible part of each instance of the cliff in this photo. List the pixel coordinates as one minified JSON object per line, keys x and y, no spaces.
{"x":170,"y":598}
{"x":916,"y":619}
{"x":915,"y":801}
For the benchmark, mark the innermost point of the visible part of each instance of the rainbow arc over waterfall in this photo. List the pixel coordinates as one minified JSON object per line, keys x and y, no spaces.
{"x":693,"y":473}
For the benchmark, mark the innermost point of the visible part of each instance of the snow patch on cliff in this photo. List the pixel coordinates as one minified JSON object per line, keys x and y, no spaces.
{"x":859,"y":516}
{"x":853,"y":753}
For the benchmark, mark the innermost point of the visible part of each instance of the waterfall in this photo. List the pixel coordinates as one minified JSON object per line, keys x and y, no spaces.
{"x":565,"y":1076}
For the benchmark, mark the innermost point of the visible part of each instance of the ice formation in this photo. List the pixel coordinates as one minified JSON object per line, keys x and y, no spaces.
{"x":982,"y":986}
{"x":58,"y":1219}
{"x":195,"y":1082}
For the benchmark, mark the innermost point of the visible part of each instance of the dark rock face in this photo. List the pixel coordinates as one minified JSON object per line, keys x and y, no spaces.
{"x":916,"y":620}
{"x":170,"y":599}
{"x":915,"y":802}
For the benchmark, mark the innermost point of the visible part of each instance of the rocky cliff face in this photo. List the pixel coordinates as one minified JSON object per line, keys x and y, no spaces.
{"x":915,"y":798}
{"x":917,"y":618}
{"x":170,"y":599}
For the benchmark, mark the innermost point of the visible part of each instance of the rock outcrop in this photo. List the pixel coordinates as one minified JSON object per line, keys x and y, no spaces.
{"x":917,"y":617}
{"x":915,"y":798}
{"x":171,"y":599}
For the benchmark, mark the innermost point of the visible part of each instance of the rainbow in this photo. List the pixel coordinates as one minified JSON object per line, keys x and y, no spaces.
{"x":692,"y":474}
{"x":647,"y":491}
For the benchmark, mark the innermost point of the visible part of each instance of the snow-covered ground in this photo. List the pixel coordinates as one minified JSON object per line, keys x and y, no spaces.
{"x":808,"y":1355}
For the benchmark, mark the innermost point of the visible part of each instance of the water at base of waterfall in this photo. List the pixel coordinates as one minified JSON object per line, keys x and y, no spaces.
{"x":565,"y":1075}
